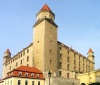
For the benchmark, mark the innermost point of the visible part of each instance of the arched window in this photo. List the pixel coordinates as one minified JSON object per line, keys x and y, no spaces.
{"x":26,"y":74}
{"x":20,"y":74}
{"x":32,"y":74}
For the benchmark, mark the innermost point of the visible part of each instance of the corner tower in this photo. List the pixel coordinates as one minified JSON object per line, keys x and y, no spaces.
{"x":7,"y":55}
{"x":45,"y":40}
{"x":91,"y":55}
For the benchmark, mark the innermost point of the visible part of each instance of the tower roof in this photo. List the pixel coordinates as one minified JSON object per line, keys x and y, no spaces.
{"x":90,"y":51}
{"x":46,"y":8}
{"x":7,"y":51}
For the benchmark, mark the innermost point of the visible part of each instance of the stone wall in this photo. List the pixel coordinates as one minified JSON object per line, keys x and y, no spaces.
{"x":61,"y":81}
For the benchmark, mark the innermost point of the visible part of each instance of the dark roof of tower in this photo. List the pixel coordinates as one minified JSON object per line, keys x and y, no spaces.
{"x":46,"y":8}
{"x":49,"y":20}
{"x":7,"y":51}
{"x":90,"y":51}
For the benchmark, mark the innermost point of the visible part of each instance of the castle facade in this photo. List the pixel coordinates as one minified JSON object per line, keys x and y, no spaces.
{"x":47,"y":53}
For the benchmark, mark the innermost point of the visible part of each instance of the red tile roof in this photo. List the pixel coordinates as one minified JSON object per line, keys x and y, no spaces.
{"x":25,"y":70}
{"x":90,"y":51}
{"x":28,"y":69}
{"x":46,"y":7}
{"x":7,"y":51}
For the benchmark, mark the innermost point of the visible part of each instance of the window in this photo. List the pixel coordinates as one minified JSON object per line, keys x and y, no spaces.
{"x":61,"y":56}
{"x":38,"y":82}
{"x":32,"y":74}
{"x":74,"y":67}
{"x":50,"y":51}
{"x":19,"y":82}
{"x":60,"y":73}
{"x":68,"y":67}
{"x":26,"y":82}
{"x":50,"y":61}
{"x":26,"y":74}
{"x":68,"y":52}
{"x":5,"y":82}
{"x":32,"y":82}
{"x":75,"y":62}
{"x":60,"y":64}
{"x":60,"y":48}
{"x":67,"y":59}
{"x":11,"y":82}
{"x":27,"y":64}
{"x":8,"y":83}
{"x":27,"y":58}
{"x":20,"y":73}
{"x":38,"y":41}
{"x":10,"y":68}
{"x":21,"y":62}
{"x":27,"y":50}
{"x":37,"y":75}
{"x":67,"y":75}
{"x":74,"y":55}
{"x":23,"y":53}
{"x":16,"y":64}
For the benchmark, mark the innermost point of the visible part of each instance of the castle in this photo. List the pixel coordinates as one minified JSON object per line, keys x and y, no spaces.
{"x":47,"y":53}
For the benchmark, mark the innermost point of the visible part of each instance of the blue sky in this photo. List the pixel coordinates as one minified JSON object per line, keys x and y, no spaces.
{"x":78,"y":24}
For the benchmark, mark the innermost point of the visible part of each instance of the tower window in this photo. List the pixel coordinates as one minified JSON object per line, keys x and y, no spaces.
{"x":50,"y":51}
{"x":60,"y":73}
{"x":50,"y":61}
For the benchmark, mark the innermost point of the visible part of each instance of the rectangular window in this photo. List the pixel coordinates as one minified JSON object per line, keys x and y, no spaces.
{"x":60,"y":73}
{"x":61,"y":56}
{"x":8,"y":83}
{"x":60,"y":64}
{"x":11,"y":82}
{"x":27,"y":50}
{"x":19,"y":82}
{"x":32,"y":82}
{"x":60,"y":48}
{"x":67,"y":59}
{"x":26,"y":82}
{"x":21,"y":62}
{"x":38,"y":82}
{"x":68,"y":52}
{"x":67,"y":75}
{"x":68,"y":67}
{"x":27,"y":58}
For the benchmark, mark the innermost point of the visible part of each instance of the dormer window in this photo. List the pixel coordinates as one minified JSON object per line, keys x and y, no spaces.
{"x":37,"y":75}
{"x":32,"y":74}
{"x":20,"y":73}
{"x":26,"y":74}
